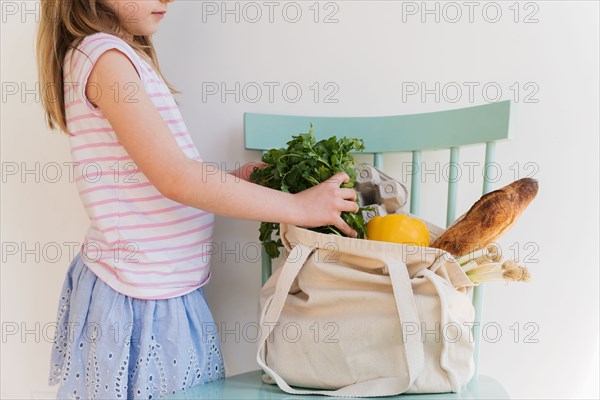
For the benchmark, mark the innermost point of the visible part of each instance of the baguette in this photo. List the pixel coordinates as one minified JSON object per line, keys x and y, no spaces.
{"x":489,"y":218}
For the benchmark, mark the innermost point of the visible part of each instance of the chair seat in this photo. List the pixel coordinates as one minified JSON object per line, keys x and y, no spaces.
{"x":250,"y":386}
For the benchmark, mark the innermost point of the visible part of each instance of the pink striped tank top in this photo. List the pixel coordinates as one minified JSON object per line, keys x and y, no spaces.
{"x":139,"y":242}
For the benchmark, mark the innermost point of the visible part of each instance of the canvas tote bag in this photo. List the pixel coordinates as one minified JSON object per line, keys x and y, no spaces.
{"x":362,"y":318}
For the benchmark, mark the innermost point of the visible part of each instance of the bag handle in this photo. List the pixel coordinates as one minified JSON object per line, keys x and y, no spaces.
{"x":407,"y":312}
{"x":438,"y":284}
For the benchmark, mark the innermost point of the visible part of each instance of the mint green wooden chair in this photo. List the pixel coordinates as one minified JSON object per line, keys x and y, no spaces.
{"x":382,"y":134}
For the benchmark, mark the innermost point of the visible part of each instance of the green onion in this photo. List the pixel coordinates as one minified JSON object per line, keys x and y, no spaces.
{"x":495,"y":272}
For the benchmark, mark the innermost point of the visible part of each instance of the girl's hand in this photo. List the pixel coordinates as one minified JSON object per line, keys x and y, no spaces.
{"x":245,"y":170}
{"x":322,"y":204}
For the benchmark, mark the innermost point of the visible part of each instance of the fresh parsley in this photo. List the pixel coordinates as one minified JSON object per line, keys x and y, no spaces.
{"x":303,"y":164}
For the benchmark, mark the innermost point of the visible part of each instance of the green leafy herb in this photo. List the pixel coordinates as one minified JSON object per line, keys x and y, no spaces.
{"x":306,"y":163}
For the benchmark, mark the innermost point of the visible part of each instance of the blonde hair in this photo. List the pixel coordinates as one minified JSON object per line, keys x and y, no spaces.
{"x":63,"y":25}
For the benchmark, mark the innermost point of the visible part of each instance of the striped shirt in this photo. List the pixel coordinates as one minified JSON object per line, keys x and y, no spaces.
{"x":139,"y":242}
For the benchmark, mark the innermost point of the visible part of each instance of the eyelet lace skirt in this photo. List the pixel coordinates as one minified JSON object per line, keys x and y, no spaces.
{"x":111,"y":346}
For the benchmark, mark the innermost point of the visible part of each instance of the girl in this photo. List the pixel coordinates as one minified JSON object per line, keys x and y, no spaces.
{"x":132,"y":316}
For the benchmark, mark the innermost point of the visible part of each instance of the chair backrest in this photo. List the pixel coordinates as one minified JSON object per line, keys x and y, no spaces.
{"x":394,"y":134}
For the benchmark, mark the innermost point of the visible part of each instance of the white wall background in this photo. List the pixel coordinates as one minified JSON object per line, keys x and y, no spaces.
{"x":371,"y":52}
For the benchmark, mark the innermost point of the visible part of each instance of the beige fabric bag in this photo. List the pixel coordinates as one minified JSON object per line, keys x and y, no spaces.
{"x":350,"y":317}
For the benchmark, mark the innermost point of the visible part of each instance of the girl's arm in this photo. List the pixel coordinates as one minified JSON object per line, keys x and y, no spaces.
{"x":148,"y":140}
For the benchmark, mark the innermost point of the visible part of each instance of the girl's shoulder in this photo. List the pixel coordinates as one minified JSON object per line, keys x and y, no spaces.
{"x":81,"y":59}
{"x":102,"y":36}
{"x":84,"y":55}
{"x":99,"y":40}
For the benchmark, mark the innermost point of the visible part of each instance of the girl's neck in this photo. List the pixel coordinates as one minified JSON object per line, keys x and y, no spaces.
{"x":128,"y":36}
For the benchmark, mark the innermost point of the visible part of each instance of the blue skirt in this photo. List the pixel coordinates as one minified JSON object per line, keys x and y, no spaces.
{"x":111,"y":346}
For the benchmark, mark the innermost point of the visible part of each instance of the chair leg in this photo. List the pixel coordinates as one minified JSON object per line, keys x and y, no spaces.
{"x":478,"y":305}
